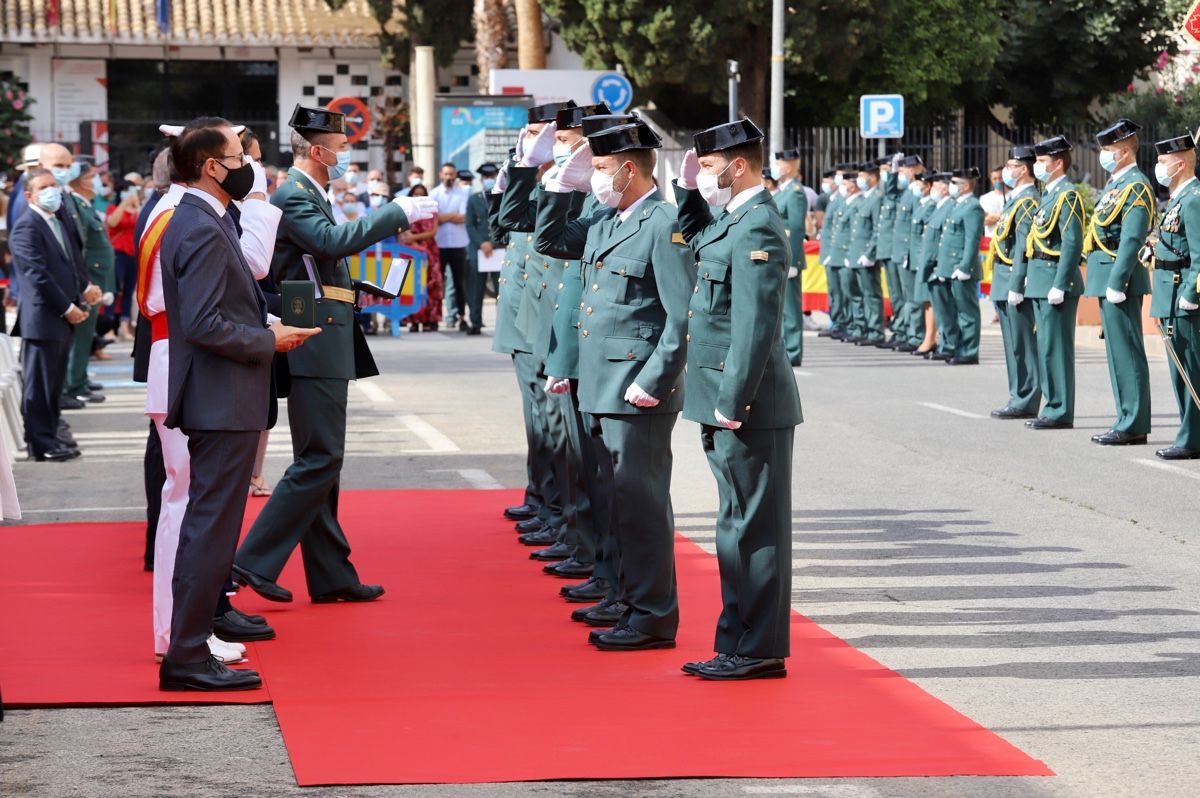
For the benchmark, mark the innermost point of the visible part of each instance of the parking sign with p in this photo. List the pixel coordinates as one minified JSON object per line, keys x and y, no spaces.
{"x":881,"y":116}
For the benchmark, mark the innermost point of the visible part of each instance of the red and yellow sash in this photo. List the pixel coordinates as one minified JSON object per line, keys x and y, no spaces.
{"x":148,"y":249}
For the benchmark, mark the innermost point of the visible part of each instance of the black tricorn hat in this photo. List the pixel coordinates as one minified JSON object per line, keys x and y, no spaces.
{"x":547,"y":112}
{"x":830,"y":173}
{"x":788,"y":155}
{"x":766,"y":174}
{"x":871,"y":167}
{"x":1119,"y":131}
{"x":487,"y":169}
{"x":465,"y":174}
{"x":634,"y":136}
{"x":1178,"y":144}
{"x":594,"y":124}
{"x":850,"y":172}
{"x":1052,"y":146}
{"x":1028,"y":154}
{"x":942,"y":177}
{"x":845,"y":166}
{"x":726,"y":136}
{"x":912,"y":160}
{"x":969,"y":173}
{"x":317,"y":120}
{"x":572,"y":117}
{"x":927,"y":176}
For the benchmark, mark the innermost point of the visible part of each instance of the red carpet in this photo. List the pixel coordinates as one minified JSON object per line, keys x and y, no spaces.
{"x":469,"y":670}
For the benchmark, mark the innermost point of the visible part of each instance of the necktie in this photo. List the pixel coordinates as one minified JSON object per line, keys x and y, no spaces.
{"x":56,"y":226}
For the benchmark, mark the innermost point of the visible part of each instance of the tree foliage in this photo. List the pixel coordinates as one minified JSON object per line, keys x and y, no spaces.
{"x":14,"y":120}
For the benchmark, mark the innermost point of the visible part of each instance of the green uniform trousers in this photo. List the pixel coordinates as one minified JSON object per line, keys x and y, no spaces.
{"x":793,"y":319}
{"x":1127,"y":367}
{"x":895,"y":291}
{"x":838,"y":309}
{"x":633,"y":459}
{"x":1056,"y":356}
{"x":945,"y":312}
{"x":1185,"y":338}
{"x":753,"y":468}
{"x":541,"y":457}
{"x":303,"y":507}
{"x":869,"y":291}
{"x":966,"y":300}
{"x":920,"y":299}
{"x":578,"y":475}
{"x":79,"y":354}
{"x":1020,"y":355}
{"x":904,"y":319}
{"x":851,"y":302}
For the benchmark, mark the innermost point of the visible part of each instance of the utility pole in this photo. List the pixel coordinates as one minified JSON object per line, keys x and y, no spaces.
{"x":777,"y":37}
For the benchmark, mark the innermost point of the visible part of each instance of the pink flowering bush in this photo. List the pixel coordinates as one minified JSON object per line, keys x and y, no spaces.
{"x":14,"y":121}
{"x":1166,"y":99}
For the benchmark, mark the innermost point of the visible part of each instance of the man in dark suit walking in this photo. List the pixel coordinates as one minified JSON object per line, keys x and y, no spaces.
{"x":48,"y":265}
{"x":219,"y":388}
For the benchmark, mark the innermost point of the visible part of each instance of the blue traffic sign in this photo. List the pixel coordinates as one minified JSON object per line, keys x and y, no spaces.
{"x":881,"y":116}
{"x":614,"y":90}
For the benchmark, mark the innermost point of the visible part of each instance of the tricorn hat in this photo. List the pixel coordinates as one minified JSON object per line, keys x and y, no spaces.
{"x":317,"y":120}
{"x":634,"y":136}
{"x":788,"y":155}
{"x":547,"y":112}
{"x":1028,"y":154}
{"x":726,"y":136}
{"x":488,"y":169}
{"x":968,"y":173}
{"x":594,"y":124}
{"x":1178,"y":144}
{"x":572,"y":116}
{"x":1119,"y":131}
{"x":912,"y":160}
{"x":1052,"y":146}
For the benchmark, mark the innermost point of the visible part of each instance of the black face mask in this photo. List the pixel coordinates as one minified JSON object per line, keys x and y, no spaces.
{"x":237,"y":182}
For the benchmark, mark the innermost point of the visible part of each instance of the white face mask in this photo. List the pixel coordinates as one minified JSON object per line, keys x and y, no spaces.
{"x":843,"y":190}
{"x":602,"y":187}
{"x":915,"y":188}
{"x":561,"y":153}
{"x":377,"y":200}
{"x":1039,"y":171}
{"x":954,"y":190}
{"x":1162,"y":173}
{"x":711,"y":190}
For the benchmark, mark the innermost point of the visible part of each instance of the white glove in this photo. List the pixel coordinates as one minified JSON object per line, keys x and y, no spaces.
{"x":863,"y":260}
{"x":417,"y":209}
{"x":825,"y":262}
{"x":689,"y":170}
{"x":639,"y":398}
{"x":941,"y":279}
{"x":260,"y":179}
{"x":1055,"y":296}
{"x":846,"y":262}
{"x":541,"y":150}
{"x":1185,"y":305}
{"x":1115,"y":297}
{"x":896,"y":159}
{"x":501,"y":181}
{"x":793,"y":272}
{"x":520,"y":144}
{"x":959,"y":274}
{"x":726,"y":423}
{"x":557,"y":385}
{"x":576,"y":173}
{"x":1015,"y":299}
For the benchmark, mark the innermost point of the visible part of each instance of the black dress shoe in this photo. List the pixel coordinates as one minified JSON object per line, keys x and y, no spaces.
{"x":871,"y":342}
{"x":578,"y":614}
{"x":529,"y":525}
{"x":906,"y":348}
{"x":474,"y":331}
{"x":838,"y":335}
{"x":59,"y":455}
{"x":520,"y":512}
{"x":543,"y":537}
{"x":603,"y":614}
{"x":247,"y":617}
{"x":1047,"y":423}
{"x":66,"y":439}
{"x":210,"y":675}
{"x":962,"y":361}
{"x":626,"y":638}
{"x":352,"y":593}
{"x":1008,"y":413}
{"x":263,"y":587}
{"x":886,"y":344}
{"x":919,"y":352}
{"x":825,"y":334}
{"x":1114,"y":438}
{"x":92,"y":397}
{"x":943,"y":356}
{"x":94,"y":386}
{"x":594,"y":589}
{"x":559,"y":551}
{"x":737,"y":668}
{"x":232,"y":627}
{"x":1099,"y":435}
{"x":594,"y":635}
{"x":70,"y":403}
{"x":694,"y":667}
{"x":569,"y":568}
{"x":1178,"y":453}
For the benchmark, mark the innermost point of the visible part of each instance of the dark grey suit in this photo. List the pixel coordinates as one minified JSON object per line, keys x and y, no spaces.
{"x":218,"y":394}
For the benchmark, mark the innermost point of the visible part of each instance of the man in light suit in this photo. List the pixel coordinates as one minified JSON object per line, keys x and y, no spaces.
{"x":220,"y":351}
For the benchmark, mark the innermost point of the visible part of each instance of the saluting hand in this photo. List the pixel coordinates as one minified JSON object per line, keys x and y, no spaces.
{"x":576,"y":173}
{"x":689,"y":170}
{"x":541,"y":150}
{"x":288,"y":338}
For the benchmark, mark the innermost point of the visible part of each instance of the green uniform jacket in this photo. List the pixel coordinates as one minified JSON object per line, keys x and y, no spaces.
{"x":839,"y":246}
{"x":922,"y":211}
{"x":959,"y":247}
{"x":932,"y":240}
{"x":832,"y":210}
{"x":507,"y":338}
{"x":1178,"y":241}
{"x":738,"y":364}
{"x":1120,"y":223}
{"x":902,"y":227}
{"x":793,"y":207}
{"x":864,"y":227}
{"x":633,"y":312}
{"x":479,"y":230}
{"x":1054,"y":262}
{"x":1014,"y":223}
{"x":563,"y":360}
{"x":885,"y":232}
{"x":307,"y":228}
{"x":98,"y":253}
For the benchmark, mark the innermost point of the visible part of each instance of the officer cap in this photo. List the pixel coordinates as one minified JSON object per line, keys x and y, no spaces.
{"x":927,"y":176}
{"x":593,"y":124}
{"x":1027,"y":154}
{"x":1178,"y":144}
{"x":969,"y":173}
{"x":547,"y":112}
{"x":830,"y":173}
{"x":466,"y":174}
{"x":317,"y":120}
{"x":788,"y":155}
{"x":882,"y":161}
{"x":1052,"y":146}
{"x":870,"y":166}
{"x":941,"y":177}
{"x":634,"y":136}
{"x":726,"y":136}
{"x":488,"y":169}
{"x":912,"y":160}
{"x":766,"y":174}
{"x":845,"y":167}
{"x":1118,"y":131}
{"x":572,"y":116}
{"x":850,"y":172}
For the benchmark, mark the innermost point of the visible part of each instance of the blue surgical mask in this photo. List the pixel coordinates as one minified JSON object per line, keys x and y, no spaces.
{"x":339,"y":168}
{"x":915,"y":188}
{"x":1008,"y":177}
{"x":488,"y":184}
{"x":49,"y":199}
{"x":97,"y":184}
{"x":1039,"y":171}
{"x":63,"y":176}
{"x":350,"y":207}
{"x":862,"y":183}
{"x":1162,"y":175}
{"x":776,"y":172}
{"x":561,"y":153}
{"x":901,"y":182}
{"x":827,"y":188}
{"x":953,"y":190}
{"x":838,"y":180}
{"x":1108,"y":160}
{"x":351,"y":178}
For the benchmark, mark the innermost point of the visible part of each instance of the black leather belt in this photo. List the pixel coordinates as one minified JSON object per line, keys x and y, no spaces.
{"x":1172,"y":265}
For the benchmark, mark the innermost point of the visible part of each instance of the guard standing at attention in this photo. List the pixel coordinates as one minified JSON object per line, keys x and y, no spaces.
{"x":958,"y":270}
{"x":899,"y":276}
{"x":839,"y":253}
{"x":943,"y":206}
{"x":885,"y":234}
{"x":1176,"y":283}
{"x":742,"y":392}
{"x":793,"y":206}
{"x":918,"y":297}
{"x":303,"y":508}
{"x":1120,"y":223}
{"x":834,"y":207}
{"x":1016,"y":318}
{"x":867,"y":292}
{"x":1048,"y":274}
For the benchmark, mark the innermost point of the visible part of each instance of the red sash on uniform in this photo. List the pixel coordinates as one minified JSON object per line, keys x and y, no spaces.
{"x":148,"y":250}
